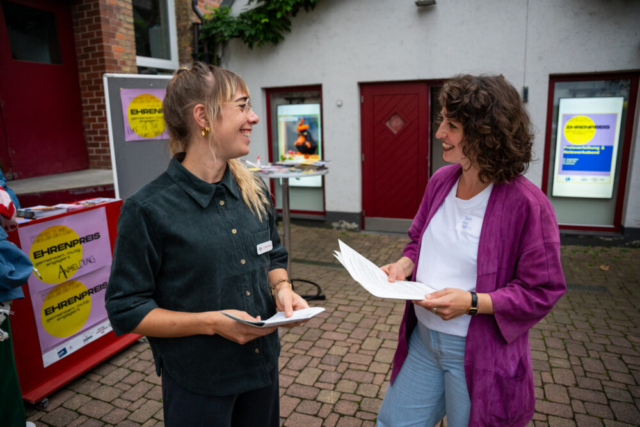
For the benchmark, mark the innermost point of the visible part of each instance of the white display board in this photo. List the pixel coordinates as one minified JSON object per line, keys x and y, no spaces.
{"x":137,"y":136}
{"x":587,"y":147}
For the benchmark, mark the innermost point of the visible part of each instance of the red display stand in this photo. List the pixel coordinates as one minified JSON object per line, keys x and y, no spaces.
{"x":36,"y":381}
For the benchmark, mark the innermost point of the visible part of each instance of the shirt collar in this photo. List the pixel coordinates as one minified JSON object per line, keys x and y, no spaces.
{"x":200,"y":190}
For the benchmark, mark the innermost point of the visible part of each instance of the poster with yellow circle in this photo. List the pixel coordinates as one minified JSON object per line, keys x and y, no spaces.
{"x":73,"y":257}
{"x":56,"y":253}
{"x":66,"y":309}
{"x":71,"y":314}
{"x":142,"y":114}
{"x":587,"y":143}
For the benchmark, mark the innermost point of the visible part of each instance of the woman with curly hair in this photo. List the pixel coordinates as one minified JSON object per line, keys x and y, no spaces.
{"x":487,"y":240}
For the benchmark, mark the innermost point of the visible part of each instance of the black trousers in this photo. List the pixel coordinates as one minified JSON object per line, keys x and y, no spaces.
{"x":259,"y":407}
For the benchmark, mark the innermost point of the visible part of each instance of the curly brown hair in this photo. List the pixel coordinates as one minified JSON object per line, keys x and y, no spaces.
{"x":497,"y":130}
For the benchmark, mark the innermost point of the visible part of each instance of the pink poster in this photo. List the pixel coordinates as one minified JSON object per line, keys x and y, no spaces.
{"x":142,"y":114}
{"x":72,"y":256}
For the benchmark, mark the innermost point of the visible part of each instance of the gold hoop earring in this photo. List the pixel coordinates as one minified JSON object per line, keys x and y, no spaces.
{"x":205,"y":131}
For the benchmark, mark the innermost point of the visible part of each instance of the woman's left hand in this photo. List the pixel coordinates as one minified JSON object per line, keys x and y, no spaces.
{"x":448,"y":302}
{"x":288,"y":301}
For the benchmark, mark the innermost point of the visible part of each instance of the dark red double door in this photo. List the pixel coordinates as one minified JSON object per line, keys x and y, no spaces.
{"x":395,"y":147}
{"x":41,"y":130}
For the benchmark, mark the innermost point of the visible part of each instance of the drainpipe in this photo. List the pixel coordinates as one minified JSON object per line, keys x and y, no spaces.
{"x":196,"y":32}
{"x":196,"y":9}
{"x":196,"y":29}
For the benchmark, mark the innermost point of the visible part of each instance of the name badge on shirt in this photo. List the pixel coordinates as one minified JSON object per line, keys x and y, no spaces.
{"x":265,"y":247}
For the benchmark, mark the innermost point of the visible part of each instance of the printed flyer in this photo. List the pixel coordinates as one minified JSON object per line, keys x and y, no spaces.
{"x":71,"y":314}
{"x":587,"y":146}
{"x":142,"y":114}
{"x":73,"y":257}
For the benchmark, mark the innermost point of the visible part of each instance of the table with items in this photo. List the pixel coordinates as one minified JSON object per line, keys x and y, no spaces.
{"x":285,"y":172}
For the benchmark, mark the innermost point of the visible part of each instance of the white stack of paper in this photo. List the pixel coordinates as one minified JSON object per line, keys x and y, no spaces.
{"x":374,"y":280}
{"x":279,"y":318}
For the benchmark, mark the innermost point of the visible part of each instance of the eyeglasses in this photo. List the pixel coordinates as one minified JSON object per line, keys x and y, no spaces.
{"x":245,"y":106}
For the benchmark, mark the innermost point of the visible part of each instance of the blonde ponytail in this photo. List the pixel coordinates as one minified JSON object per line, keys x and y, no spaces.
{"x":250,"y":187}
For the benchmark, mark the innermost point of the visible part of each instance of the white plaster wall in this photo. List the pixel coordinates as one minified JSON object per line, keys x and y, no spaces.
{"x":346,"y":42}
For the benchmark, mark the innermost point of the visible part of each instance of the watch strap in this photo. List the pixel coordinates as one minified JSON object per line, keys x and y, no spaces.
{"x":474,"y":304}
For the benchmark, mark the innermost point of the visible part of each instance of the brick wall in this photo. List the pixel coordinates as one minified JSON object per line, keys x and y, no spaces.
{"x":185,"y":17}
{"x":105,"y":43}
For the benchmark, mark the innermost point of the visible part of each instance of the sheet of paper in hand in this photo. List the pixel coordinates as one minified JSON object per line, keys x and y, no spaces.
{"x":374,"y":280}
{"x":279,"y":319}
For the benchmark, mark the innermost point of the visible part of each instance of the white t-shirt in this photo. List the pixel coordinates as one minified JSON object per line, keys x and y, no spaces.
{"x":449,"y":254}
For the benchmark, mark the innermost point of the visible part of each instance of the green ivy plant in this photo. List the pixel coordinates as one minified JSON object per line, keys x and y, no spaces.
{"x":259,"y":26}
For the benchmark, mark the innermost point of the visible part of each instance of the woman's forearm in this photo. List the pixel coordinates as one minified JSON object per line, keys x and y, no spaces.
{"x":163,"y":323}
{"x":485,"y":304}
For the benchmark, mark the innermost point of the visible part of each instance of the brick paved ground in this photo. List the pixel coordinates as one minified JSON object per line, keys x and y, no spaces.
{"x":334,"y":369}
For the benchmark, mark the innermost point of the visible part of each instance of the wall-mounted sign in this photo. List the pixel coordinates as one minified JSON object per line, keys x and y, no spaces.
{"x":142,"y":114}
{"x":300,"y":138}
{"x":73,"y":257}
{"x":587,"y":146}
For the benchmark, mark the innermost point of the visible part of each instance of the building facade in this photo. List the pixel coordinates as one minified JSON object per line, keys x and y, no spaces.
{"x":375,"y":68}
{"x":364,"y":74}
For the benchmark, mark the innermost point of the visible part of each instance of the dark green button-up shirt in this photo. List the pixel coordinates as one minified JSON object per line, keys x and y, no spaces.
{"x":186,"y":245}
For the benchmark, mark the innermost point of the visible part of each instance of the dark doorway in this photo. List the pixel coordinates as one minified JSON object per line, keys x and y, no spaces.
{"x":40,"y":106}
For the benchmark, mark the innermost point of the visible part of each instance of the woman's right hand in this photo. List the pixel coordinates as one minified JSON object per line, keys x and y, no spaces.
{"x":234,"y":330}
{"x":399,"y":270}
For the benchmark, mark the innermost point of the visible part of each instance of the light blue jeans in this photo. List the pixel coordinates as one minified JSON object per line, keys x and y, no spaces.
{"x":430,"y":385}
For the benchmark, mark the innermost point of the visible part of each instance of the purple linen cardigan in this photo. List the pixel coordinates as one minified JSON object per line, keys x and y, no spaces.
{"x":519,"y":265}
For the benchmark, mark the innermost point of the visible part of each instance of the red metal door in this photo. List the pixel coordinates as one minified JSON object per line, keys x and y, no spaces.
{"x":39,"y":89}
{"x":395,"y":129}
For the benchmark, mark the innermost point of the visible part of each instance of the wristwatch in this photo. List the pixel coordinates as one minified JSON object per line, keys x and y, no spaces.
{"x":473,"y":310}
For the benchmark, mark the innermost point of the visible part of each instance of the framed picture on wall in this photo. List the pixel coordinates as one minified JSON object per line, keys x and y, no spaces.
{"x":300,"y":137}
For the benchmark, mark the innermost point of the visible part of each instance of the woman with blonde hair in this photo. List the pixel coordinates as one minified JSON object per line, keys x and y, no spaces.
{"x":199,"y":240}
